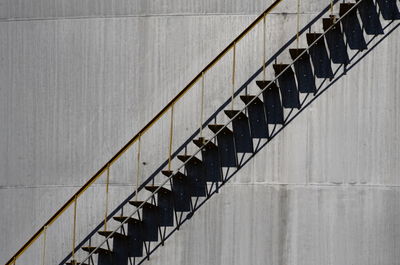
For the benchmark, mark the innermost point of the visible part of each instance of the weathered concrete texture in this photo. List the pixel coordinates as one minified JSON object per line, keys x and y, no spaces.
{"x":293,"y":224}
{"x":43,"y":9}
{"x":73,"y":91}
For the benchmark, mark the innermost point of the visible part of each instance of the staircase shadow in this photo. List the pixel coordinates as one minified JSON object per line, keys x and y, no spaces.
{"x":320,"y":90}
{"x":336,"y":76}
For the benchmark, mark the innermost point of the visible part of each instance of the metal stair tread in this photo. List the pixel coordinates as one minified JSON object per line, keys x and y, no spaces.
{"x":295,"y":53}
{"x":279,"y":68}
{"x":123,"y":218}
{"x":107,"y":233}
{"x":247,"y":98}
{"x":145,"y":204}
{"x":263,"y":83}
{"x":202,"y":141}
{"x":153,"y":188}
{"x":75,"y":262}
{"x":193,"y":159}
{"x":217,"y":127}
{"x":99,"y":250}
{"x":233,"y":113}
{"x":345,"y":7}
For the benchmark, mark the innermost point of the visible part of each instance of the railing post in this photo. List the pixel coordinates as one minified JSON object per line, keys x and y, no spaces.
{"x":44,"y":245}
{"x":201,"y":104}
{"x":298,"y":24}
{"x":106,"y":206}
{"x":138,"y":168}
{"x":233,"y":73}
{"x":74,"y":229}
{"x":264,"y":46}
{"x":171,"y":134}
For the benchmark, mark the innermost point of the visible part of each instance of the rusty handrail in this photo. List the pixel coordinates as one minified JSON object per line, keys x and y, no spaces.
{"x":140,"y":134}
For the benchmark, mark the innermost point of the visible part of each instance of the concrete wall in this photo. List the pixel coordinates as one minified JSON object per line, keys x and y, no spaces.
{"x":79,"y":78}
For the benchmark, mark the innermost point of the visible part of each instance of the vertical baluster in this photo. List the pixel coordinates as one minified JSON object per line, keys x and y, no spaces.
{"x":233,"y":73}
{"x":138,"y":168}
{"x":44,"y":245}
{"x":106,"y":204}
{"x":201,"y":104}
{"x":264,"y":59}
{"x":298,"y":24}
{"x":74,"y":229}
{"x":171,"y":132}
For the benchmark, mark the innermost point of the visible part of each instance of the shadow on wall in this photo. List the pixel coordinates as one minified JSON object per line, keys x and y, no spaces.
{"x":333,"y":76}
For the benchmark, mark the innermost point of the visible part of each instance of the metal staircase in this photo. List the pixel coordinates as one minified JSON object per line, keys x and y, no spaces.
{"x":202,"y":173}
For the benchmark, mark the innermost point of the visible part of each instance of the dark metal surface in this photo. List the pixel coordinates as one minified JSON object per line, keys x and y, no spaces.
{"x":257,"y":117}
{"x":369,"y":17}
{"x":335,"y":40}
{"x":319,"y":56}
{"x":303,"y":70}
{"x":272,"y":102}
{"x":226,"y":146}
{"x":241,"y":131}
{"x":352,"y":28}
{"x":287,"y":85}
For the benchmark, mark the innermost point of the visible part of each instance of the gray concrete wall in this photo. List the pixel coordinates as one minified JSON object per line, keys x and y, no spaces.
{"x":79,"y":78}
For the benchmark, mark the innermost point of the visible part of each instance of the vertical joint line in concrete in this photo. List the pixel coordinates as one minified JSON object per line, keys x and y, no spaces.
{"x":201,"y":105}
{"x":74,"y":229}
{"x":171,"y":132}
{"x":106,"y":206}
{"x":44,"y":245}
{"x":264,"y":46}
{"x":138,"y":168}
{"x":233,"y":74}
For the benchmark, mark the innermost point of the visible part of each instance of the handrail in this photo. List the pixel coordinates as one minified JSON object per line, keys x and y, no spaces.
{"x":139,"y":134}
{"x":218,"y":132}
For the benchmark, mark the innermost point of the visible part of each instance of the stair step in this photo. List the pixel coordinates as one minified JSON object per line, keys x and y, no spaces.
{"x":178,"y":175}
{"x":165,"y":203}
{"x":105,"y":256}
{"x":369,"y":17}
{"x":257,"y":116}
{"x":215,"y":128}
{"x":319,"y":56}
{"x":389,"y":9}
{"x":247,"y":98}
{"x":351,"y":27}
{"x":145,"y":204}
{"x":334,"y":39}
{"x":303,"y":70}
{"x":272,"y":102}
{"x":160,"y":190}
{"x":122,"y":249}
{"x":193,"y":159}
{"x":98,"y":251}
{"x":107,"y":233}
{"x":135,"y":238}
{"x":167,"y":173}
{"x":211,"y":160}
{"x":123,"y":218}
{"x":195,"y":175}
{"x":150,"y":219}
{"x":233,"y":113}
{"x":202,"y":141}
{"x":287,"y":85}
{"x":180,"y":191}
{"x":75,"y":262}
{"x":241,"y":131}
{"x":226,"y":145}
